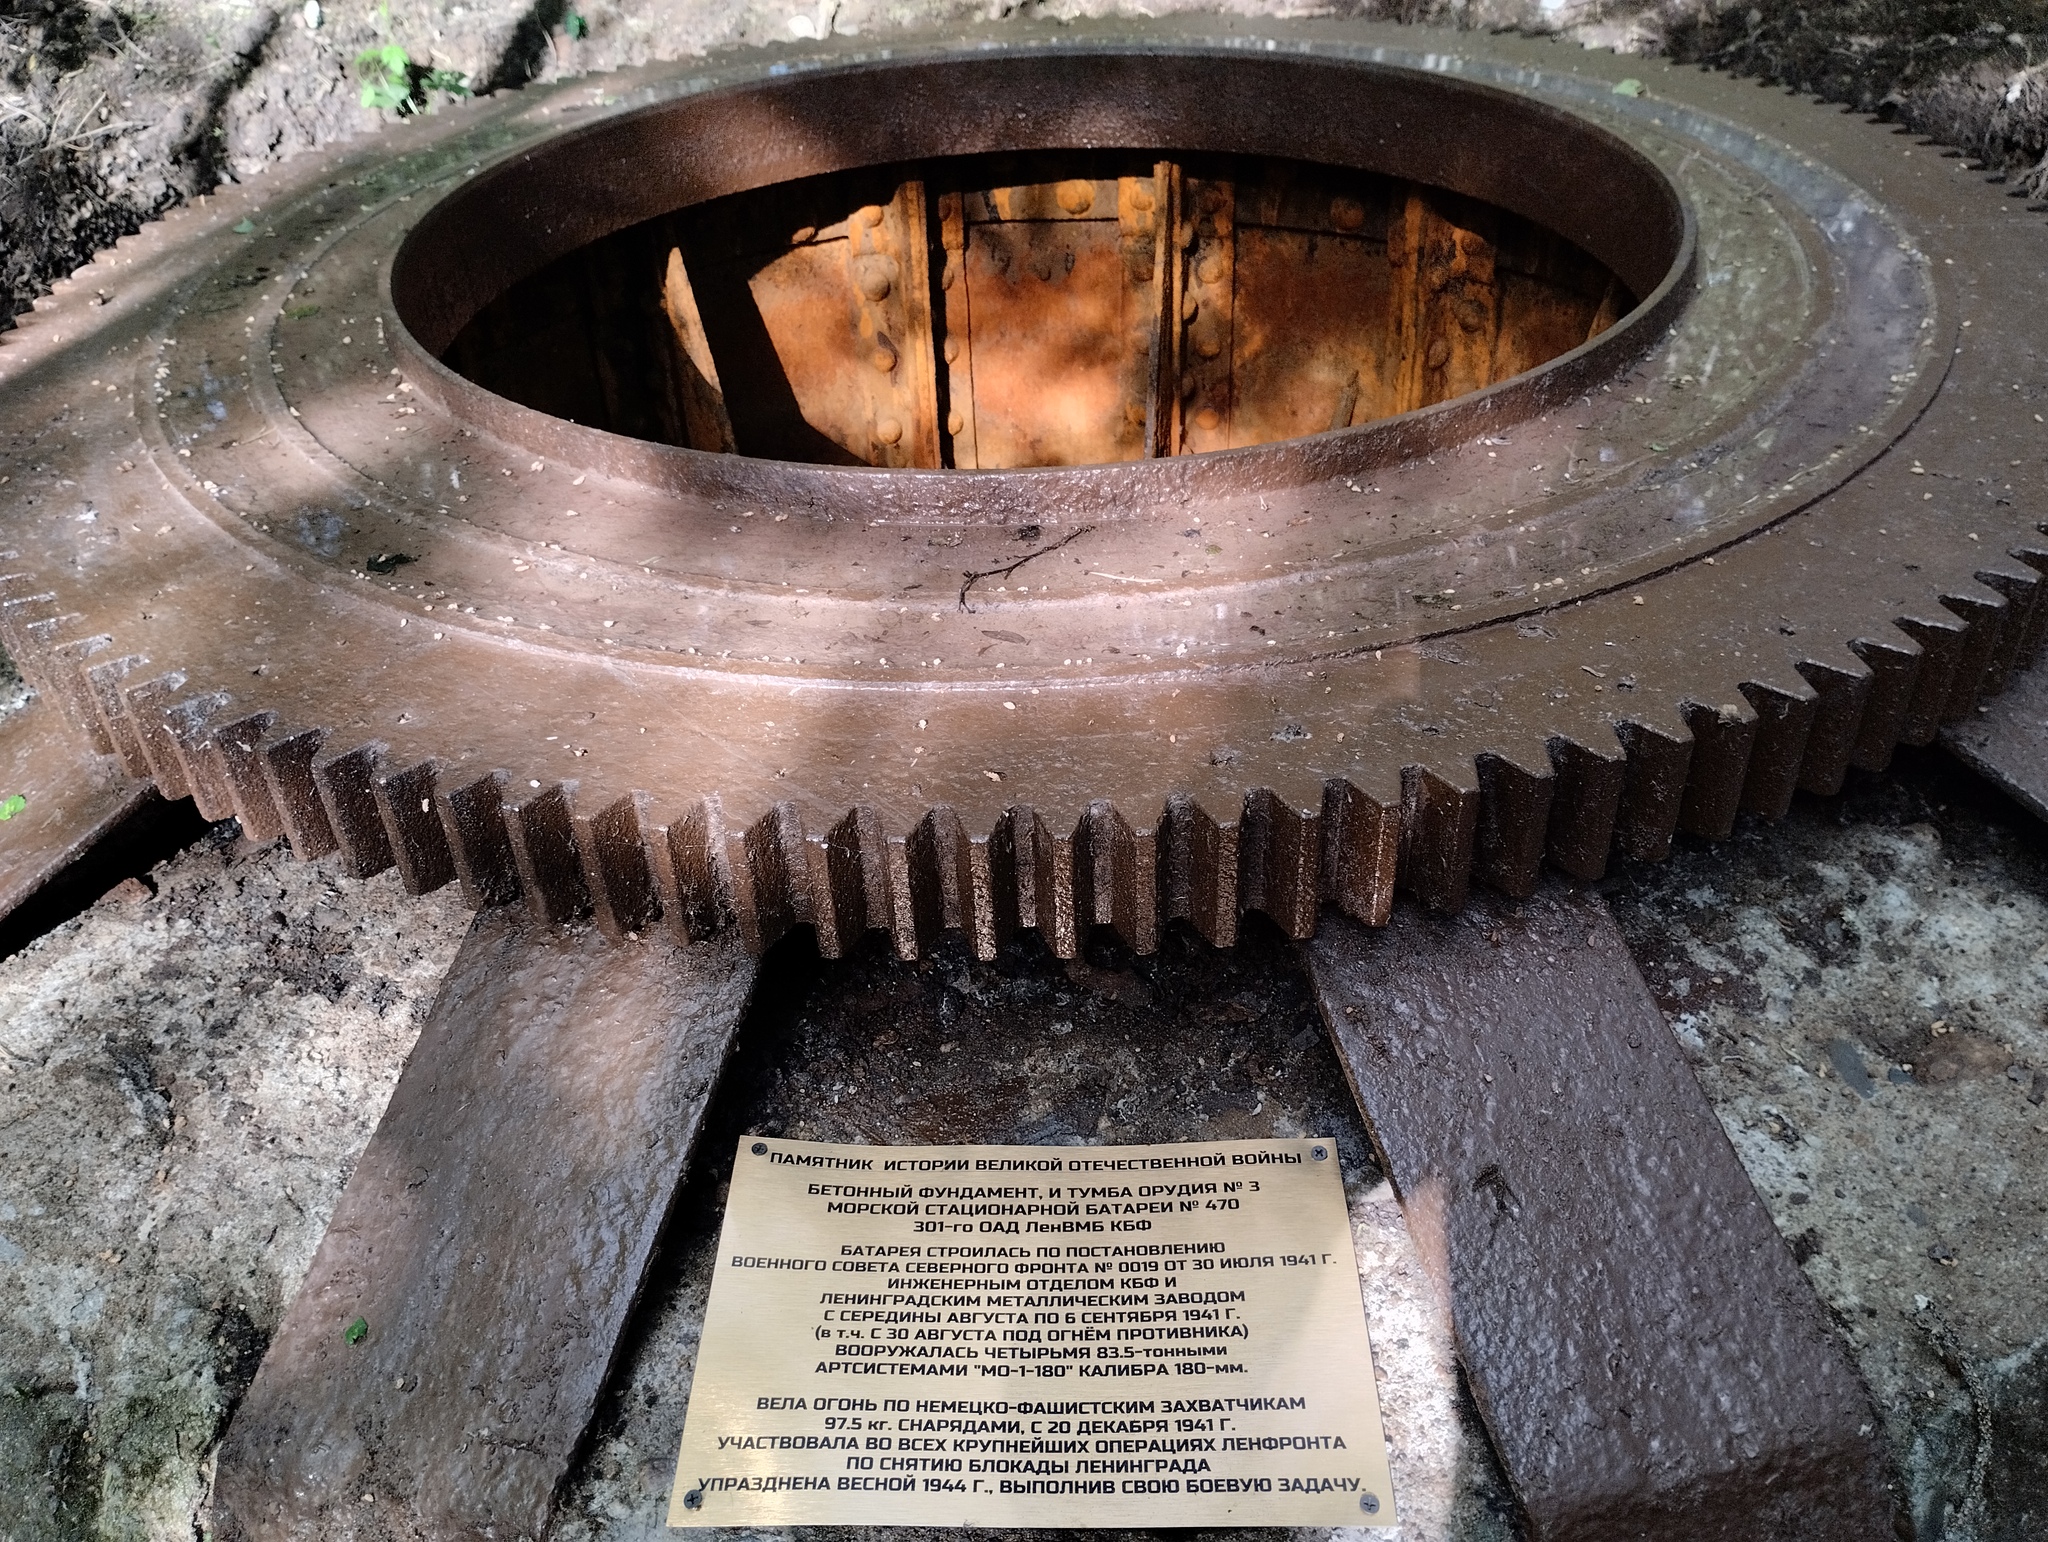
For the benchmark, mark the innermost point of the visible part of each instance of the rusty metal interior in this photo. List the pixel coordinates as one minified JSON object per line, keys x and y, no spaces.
{"x":1002,"y":311}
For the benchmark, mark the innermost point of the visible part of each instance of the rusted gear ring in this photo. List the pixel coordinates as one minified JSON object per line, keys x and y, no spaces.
{"x":1783,"y":517}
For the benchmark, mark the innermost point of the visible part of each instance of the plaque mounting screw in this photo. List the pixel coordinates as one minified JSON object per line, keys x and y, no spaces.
{"x":1322,"y":1154}
{"x":1368,"y":1502}
{"x":760,"y":1148}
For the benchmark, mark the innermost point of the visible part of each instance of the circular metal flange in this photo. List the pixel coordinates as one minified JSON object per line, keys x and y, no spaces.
{"x":1783,"y":517}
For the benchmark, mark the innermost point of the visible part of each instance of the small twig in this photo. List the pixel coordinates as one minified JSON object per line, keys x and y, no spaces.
{"x":969,"y":580}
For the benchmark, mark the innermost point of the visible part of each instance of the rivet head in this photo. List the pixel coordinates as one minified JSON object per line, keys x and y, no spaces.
{"x":1210,"y":270}
{"x":1208,"y":347}
{"x":1141,"y":198}
{"x":888,"y":430}
{"x":871,"y":215}
{"x":1439,"y":354}
{"x":952,"y":349}
{"x":1076,"y":197}
{"x":1208,"y":418}
{"x":954,"y":422}
{"x":885,"y":359}
{"x":1347,"y":214}
{"x":874,"y":283}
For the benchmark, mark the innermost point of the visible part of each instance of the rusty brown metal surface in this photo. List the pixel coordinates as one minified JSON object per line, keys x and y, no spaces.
{"x":1763,"y":527}
{"x":71,"y":797}
{"x":491,"y":1242}
{"x":2006,"y":739}
{"x":1078,"y":320}
{"x":1647,"y":1357}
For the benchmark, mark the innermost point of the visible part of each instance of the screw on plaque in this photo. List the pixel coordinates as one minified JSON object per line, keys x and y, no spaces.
{"x":1369,"y":1502}
{"x":760,"y":1148}
{"x":694,"y":1500}
{"x":1319,"y":1153}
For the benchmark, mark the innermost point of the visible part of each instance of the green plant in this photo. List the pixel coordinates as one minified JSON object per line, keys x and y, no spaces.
{"x":355,"y":1332}
{"x":394,"y":82}
{"x":13,"y":806}
{"x":576,"y":25}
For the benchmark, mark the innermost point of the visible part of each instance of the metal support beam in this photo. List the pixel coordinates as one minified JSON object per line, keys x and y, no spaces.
{"x":1646,"y":1355}
{"x":491,"y":1242}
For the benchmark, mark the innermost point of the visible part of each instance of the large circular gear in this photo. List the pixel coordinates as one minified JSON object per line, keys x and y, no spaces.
{"x":1783,"y":516}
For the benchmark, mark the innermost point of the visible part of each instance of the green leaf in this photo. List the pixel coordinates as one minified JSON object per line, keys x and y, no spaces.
{"x":454,"y":82}
{"x":243,"y":228}
{"x":384,"y":96}
{"x":389,"y":58}
{"x":13,"y":806}
{"x":355,"y":1332}
{"x":1629,"y":87}
{"x":575,"y":26}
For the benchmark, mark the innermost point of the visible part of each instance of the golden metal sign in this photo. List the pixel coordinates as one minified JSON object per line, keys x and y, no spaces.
{"x":1034,"y":1336}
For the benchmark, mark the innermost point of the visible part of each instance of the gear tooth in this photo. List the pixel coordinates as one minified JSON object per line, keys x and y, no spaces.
{"x":986,"y":935}
{"x":769,"y":871}
{"x":236,"y":743}
{"x":837,"y":930}
{"x":693,"y":875}
{"x":472,"y":818}
{"x":287,"y":763}
{"x":346,"y":785}
{"x":24,"y":605}
{"x":186,"y":723}
{"x":941,"y":877}
{"x":857,"y":865}
{"x":1199,"y":867}
{"x":1722,"y":739}
{"x":1012,"y":886}
{"x":2020,"y":587}
{"x":70,"y":691}
{"x":615,"y":863}
{"x":1361,"y":849}
{"x":1279,"y":861}
{"x":1941,"y":650}
{"x":1983,"y":612}
{"x":1843,"y":689}
{"x":27,"y":615}
{"x":1654,"y":789}
{"x":1439,"y":819}
{"x":2033,"y":551}
{"x":1515,"y":798}
{"x":544,"y":852}
{"x":1894,"y":663}
{"x":1590,"y":775}
{"x":1784,"y":722}
{"x":902,"y":909}
{"x":144,"y":703}
{"x":1116,"y":876}
{"x":413,"y":830}
{"x":110,"y":707}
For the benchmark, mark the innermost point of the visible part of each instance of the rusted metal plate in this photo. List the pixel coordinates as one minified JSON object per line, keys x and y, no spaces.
{"x":1646,"y":1355}
{"x":490,"y":1242}
{"x":1699,"y":574}
{"x":71,"y":796}
{"x":2006,"y":739}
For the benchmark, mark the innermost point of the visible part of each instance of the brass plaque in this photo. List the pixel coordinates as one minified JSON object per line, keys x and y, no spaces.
{"x":1034,"y":1336}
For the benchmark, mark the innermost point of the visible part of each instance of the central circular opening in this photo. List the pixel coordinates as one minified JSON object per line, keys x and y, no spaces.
{"x":989,"y":263}
{"x":993,"y":312}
